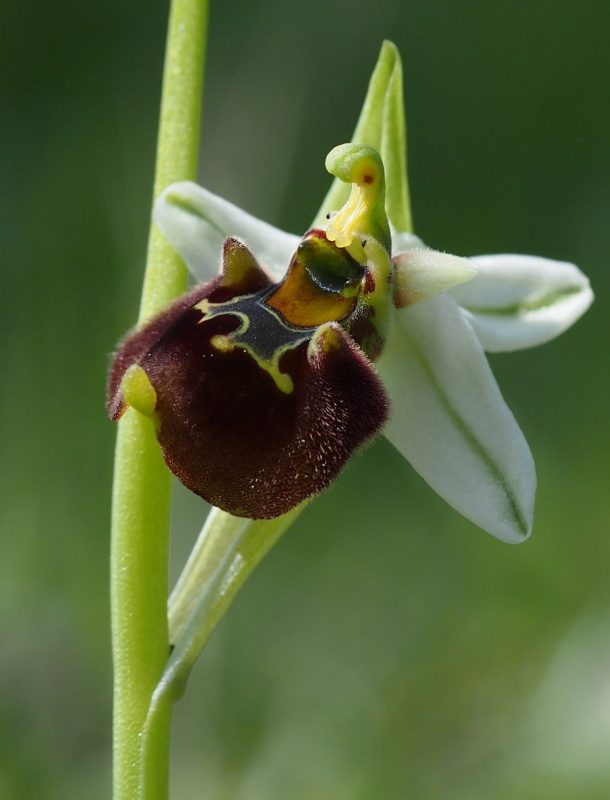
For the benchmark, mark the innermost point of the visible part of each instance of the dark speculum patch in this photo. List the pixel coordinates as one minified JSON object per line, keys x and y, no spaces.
{"x":261,"y":330}
{"x":254,"y":413}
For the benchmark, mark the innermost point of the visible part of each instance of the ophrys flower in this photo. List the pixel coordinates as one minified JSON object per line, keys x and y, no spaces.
{"x":265,"y":379}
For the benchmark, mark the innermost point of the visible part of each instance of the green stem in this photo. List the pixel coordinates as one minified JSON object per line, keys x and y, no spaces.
{"x":142,"y":486}
{"x":140,"y":521}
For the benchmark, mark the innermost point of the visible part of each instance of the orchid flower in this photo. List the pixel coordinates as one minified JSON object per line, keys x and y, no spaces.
{"x":262,"y":381}
{"x":293,"y":352}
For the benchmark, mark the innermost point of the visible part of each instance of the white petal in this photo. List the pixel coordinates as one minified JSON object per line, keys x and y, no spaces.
{"x":449,"y":420}
{"x":197,"y":222}
{"x":424,"y":273}
{"x":521,"y":301}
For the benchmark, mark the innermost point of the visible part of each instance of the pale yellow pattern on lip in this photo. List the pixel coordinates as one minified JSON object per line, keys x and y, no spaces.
{"x":235,"y":340}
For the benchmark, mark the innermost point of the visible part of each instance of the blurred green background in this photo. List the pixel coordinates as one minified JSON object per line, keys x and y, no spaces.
{"x":417,"y":658}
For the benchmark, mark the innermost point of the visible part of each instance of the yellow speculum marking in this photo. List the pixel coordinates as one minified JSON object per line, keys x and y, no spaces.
{"x":222,"y":343}
{"x":204,"y":307}
{"x":225,"y":343}
{"x":282,"y":380}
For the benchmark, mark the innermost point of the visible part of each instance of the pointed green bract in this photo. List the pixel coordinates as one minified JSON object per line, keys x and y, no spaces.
{"x":394,"y":152}
{"x":382,"y":126}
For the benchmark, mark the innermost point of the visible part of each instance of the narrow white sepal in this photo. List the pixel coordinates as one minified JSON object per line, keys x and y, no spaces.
{"x":519,"y":301}
{"x":450,"y":421}
{"x":197,"y":222}
{"x":424,"y":273}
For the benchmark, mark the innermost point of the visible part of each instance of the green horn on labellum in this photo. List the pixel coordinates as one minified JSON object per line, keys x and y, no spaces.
{"x":260,"y":392}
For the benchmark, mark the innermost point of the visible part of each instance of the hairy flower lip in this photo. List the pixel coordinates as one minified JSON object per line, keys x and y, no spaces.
{"x":467,"y":446}
{"x":255,"y":413}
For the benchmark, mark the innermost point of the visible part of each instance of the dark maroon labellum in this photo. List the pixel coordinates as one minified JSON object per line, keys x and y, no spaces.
{"x":262,"y":395}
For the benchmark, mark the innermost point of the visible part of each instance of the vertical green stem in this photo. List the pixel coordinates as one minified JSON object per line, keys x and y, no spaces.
{"x":140,"y":521}
{"x":142,"y":489}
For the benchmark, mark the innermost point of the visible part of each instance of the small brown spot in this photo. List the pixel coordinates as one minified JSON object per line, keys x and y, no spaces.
{"x":369,"y":283}
{"x":368,"y":179}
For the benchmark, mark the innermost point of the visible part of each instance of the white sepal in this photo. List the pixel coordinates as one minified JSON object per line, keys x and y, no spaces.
{"x":197,"y":222}
{"x":450,"y":421}
{"x":519,"y":301}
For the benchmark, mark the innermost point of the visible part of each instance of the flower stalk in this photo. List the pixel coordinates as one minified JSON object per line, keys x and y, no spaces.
{"x":228,"y":550}
{"x":142,"y":483}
